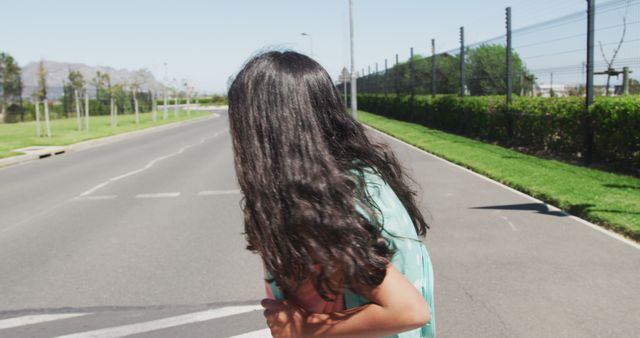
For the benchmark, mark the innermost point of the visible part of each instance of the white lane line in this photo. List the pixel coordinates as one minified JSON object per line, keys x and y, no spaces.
{"x":149,"y":164}
{"x":513,"y":227}
{"x":94,"y":188}
{"x":266,"y":333}
{"x":113,"y":179}
{"x":218,"y":192}
{"x":96,"y":197}
{"x":159,"y":195}
{"x":127,"y":330}
{"x":36,"y":319}
{"x":550,"y":207}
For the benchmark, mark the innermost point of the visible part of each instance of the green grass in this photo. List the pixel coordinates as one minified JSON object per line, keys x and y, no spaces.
{"x":611,"y":200}
{"x":64,"y":131}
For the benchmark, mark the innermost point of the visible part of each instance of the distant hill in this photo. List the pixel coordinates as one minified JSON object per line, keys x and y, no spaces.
{"x":58,"y":73}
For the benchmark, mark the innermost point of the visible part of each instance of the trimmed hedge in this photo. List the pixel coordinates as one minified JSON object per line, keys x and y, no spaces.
{"x":557,"y":127}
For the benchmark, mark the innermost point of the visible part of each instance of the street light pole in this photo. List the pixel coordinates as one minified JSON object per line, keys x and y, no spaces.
{"x":354,"y":91}
{"x":310,"y":42}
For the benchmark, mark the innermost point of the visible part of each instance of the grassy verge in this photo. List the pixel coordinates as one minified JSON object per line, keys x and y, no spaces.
{"x":64,"y":131}
{"x":608,"y":199}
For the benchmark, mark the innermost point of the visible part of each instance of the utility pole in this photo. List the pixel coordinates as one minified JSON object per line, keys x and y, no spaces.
{"x":462,"y":64}
{"x":354,"y":91}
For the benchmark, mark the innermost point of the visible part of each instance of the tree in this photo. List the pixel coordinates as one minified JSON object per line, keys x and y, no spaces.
{"x":76,"y":81}
{"x":487,"y":71}
{"x":42,"y":81}
{"x":610,"y":71}
{"x":10,"y":85}
{"x":101,"y":82}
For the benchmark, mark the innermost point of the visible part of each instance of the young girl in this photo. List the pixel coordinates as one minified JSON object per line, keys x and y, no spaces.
{"x":328,"y":210}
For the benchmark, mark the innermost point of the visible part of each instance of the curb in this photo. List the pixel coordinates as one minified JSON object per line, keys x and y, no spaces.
{"x":593,"y":226}
{"x":21,"y":159}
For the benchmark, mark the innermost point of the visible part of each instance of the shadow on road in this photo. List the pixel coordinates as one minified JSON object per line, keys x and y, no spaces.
{"x":540,"y":208}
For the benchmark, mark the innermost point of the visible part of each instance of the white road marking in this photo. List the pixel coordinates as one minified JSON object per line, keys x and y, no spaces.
{"x":149,"y":164}
{"x":159,"y":195}
{"x":94,"y":188}
{"x":131,"y":329}
{"x":266,"y":333}
{"x":218,"y":192}
{"x":550,"y":207}
{"x":97,"y":197}
{"x":513,"y":227}
{"x":36,"y":319}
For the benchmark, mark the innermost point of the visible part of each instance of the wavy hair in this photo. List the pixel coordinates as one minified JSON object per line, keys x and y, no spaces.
{"x":295,"y":151}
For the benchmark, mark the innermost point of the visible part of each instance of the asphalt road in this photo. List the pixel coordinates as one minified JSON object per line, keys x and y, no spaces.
{"x":142,"y":238}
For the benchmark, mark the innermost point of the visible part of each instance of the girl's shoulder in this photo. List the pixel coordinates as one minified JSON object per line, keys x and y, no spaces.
{"x":390,"y":213}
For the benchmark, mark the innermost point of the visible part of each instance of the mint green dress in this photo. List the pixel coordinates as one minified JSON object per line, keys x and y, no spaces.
{"x":411,"y":257}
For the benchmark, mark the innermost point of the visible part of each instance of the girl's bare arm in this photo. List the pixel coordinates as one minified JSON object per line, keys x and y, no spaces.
{"x":397,"y":306}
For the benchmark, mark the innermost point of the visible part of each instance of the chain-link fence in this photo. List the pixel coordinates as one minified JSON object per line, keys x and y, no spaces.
{"x":526,"y":89}
{"x":548,"y":59}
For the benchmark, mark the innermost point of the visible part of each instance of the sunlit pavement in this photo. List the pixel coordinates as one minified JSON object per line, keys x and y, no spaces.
{"x":143,"y":238}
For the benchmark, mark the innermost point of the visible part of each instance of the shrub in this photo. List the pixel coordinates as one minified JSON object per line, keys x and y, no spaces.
{"x":553,"y":126}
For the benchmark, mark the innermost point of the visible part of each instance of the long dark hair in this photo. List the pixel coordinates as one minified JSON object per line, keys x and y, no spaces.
{"x":296,"y":149}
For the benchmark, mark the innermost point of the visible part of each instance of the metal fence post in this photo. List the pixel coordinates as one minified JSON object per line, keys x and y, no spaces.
{"x":433,"y":67}
{"x":588,"y":141}
{"x":369,"y":86}
{"x":509,"y":58}
{"x":377,"y":81}
{"x":395,"y":76}
{"x":462,"y":64}
{"x":411,"y":73}
{"x":385,"y":77}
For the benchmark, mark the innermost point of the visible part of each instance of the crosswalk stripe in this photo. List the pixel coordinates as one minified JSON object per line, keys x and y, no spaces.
{"x":266,"y":333}
{"x":36,"y":319}
{"x":127,"y":330}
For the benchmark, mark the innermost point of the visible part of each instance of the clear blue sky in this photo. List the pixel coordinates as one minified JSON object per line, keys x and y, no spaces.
{"x":207,"y":41}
